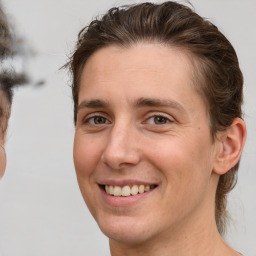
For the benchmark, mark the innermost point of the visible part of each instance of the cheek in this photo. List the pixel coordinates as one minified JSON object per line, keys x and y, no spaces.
{"x":2,"y":161}
{"x":185,"y":162}
{"x":186,"y":171}
{"x":86,"y":155}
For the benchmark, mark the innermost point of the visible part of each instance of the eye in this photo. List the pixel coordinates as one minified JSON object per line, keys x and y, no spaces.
{"x":97,"y":120}
{"x":158,"y":120}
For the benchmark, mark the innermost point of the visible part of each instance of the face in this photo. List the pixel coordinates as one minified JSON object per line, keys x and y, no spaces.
{"x":143,"y":152}
{"x":2,"y":161}
{"x":3,"y":125}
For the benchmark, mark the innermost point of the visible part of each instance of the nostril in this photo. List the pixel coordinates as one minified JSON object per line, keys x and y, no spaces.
{"x":120,"y":152}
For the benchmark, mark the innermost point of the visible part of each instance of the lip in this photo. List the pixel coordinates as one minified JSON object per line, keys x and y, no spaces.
{"x":120,"y":201}
{"x":127,"y":182}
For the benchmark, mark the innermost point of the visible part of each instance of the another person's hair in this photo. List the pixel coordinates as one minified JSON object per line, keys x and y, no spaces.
{"x":217,"y":75}
{"x":8,"y":77}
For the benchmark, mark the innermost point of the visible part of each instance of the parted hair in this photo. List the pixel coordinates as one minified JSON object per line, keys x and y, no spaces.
{"x":217,"y":75}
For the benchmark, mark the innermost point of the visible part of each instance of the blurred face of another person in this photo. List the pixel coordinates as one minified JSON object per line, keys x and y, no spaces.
{"x":9,"y":78}
{"x":143,"y":132}
{"x":4,"y":105}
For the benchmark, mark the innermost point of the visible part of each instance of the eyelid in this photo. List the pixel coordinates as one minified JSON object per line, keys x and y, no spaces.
{"x":156,"y":114}
{"x":93,"y":115}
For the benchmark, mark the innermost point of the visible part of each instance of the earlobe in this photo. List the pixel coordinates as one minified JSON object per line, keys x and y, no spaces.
{"x":231,"y":143}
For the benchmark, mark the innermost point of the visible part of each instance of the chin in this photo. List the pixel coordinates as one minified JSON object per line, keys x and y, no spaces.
{"x":125,"y":230}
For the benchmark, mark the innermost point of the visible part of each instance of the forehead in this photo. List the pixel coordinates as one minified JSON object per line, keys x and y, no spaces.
{"x":150,"y":66}
{"x":140,"y":58}
{"x":152,"y":57}
{"x":4,"y":103}
{"x":4,"y":112}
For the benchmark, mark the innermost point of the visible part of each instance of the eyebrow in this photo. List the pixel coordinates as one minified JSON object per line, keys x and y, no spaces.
{"x":152,"y":102}
{"x":139,"y":103}
{"x":95,"y":103}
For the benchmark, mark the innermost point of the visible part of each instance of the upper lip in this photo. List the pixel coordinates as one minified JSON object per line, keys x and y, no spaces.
{"x":129,"y":182}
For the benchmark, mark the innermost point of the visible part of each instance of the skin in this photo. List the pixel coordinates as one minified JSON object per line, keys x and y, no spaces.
{"x":2,"y":161}
{"x":3,"y":104}
{"x":120,"y":141}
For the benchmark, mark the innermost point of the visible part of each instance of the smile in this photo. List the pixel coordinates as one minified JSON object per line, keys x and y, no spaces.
{"x":127,"y":190}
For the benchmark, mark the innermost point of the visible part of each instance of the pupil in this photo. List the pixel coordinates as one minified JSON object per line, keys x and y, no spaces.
{"x":160,"y":120}
{"x":99,"y":120}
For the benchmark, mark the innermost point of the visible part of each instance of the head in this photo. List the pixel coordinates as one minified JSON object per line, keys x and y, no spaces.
{"x":8,"y":79}
{"x":216,"y":75}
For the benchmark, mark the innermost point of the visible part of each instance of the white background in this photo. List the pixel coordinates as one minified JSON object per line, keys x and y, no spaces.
{"x":41,"y":210}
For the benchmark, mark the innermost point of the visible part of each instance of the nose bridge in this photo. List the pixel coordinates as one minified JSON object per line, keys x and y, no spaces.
{"x":121,"y":147}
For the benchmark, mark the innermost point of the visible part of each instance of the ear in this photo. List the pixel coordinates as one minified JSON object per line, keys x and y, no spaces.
{"x":230,"y":145}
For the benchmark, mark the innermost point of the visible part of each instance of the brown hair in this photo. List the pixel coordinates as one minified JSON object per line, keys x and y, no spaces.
{"x":217,"y":71}
{"x":8,"y":78}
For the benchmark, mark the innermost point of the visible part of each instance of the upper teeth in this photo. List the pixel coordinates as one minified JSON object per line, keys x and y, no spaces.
{"x":126,"y":190}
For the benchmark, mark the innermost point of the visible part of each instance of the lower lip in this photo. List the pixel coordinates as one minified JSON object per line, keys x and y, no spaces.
{"x":122,"y":201}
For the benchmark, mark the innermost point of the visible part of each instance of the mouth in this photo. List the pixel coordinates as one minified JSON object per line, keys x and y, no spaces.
{"x":127,"y":190}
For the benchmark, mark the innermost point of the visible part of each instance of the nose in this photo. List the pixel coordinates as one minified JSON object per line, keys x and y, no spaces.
{"x":121,"y":149}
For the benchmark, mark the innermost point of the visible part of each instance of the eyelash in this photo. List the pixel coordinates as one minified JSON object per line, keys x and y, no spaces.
{"x":166,"y":119}
{"x":88,"y":119}
{"x":106,"y":121}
